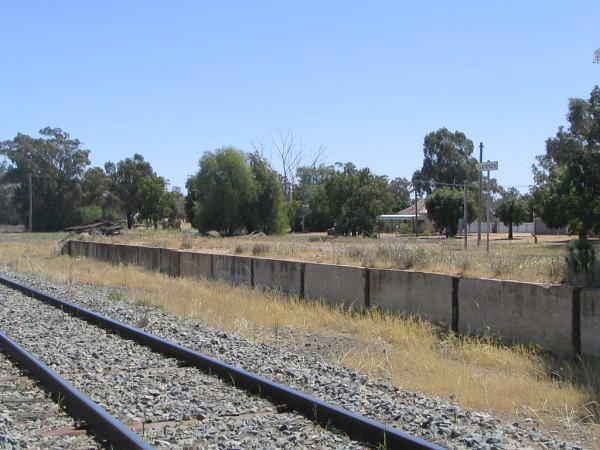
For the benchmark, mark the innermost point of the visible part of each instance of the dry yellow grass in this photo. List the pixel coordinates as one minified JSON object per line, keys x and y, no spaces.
{"x":477,"y":373}
{"x":520,"y":259}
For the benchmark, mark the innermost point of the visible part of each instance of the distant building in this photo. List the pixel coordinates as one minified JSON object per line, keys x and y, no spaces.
{"x":394,"y":222}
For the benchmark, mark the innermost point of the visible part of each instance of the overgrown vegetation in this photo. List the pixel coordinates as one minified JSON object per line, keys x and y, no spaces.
{"x":520,"y":259}
{"x":582,"y":267}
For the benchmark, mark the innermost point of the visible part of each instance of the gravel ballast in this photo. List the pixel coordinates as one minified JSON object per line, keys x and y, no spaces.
{"x":153,"y":387}
{"x":30,"y":419}
{"x":169,"y":405}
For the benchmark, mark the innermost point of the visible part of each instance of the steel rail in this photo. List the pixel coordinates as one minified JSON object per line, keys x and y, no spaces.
{"x":356,"y":426}
{"x":78,"y":405}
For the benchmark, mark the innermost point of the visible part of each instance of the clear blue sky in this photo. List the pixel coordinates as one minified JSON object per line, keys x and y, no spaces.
{"x":364,"y":80}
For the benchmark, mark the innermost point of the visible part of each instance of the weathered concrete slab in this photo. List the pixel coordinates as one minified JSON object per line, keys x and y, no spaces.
{"x":233,"y":269}
{"x":111,"y":254}
{"x":149,"y":258}
{"x":130,"y":255}
{"x":195,"y":265}
{"x":169,"y":262}
{"x":77,"y":249}
{"x":85,"y":251}
{"x":520,"y":312}
{"x":278,"y":274}
{"x":91,"y":250}
{"x":65,"y":248}
{"x":119,"y":252}
{"x":105,"y":252}
{"x":98,"y":250}
{"x":427,"y":295}
{"x":590,"y":322}
{"x":115,"y":253}
{"x":335,"y":284}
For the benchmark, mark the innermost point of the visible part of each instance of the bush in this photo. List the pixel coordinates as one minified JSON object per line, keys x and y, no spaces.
{"x":186,"y":242}
{"x":404,"y":228}
{"x":260,"y":249}
{"x":87,"y":214}
{"x":581,"y":262}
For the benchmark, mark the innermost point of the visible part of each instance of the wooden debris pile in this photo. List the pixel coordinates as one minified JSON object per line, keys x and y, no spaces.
{"x":107,"y":228}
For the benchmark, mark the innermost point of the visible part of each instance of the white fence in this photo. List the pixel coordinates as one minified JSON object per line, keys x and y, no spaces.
{"x":526,"y":227}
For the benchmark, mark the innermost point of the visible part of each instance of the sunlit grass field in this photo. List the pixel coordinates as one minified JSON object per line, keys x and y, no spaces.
{"x":514,"y":381}
{"x":521,"y":259}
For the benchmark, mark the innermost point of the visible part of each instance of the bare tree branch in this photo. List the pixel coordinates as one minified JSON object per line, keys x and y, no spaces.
{"x":259,"y":147}
{"x":291,"y":151}
{"x":318,"y":155}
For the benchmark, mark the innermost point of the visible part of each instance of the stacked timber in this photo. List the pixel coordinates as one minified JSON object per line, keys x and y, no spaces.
{"x":107,"y":228}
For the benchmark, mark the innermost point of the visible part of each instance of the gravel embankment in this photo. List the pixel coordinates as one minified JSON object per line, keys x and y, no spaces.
{"x":29,"y":419}
{"x":128,"y":392}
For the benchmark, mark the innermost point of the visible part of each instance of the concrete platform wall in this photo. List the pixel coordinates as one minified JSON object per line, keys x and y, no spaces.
{"x":561,"y":318}
{"x":233,"y":269}
{"x":427,"y":295}
{"x":149,"y":258}
{"x":75,"y":248}
{"x":121,"y":255}
{"x":336,"y":284}
{"x":101,"y":250}
{"x":288,"y":276}
{"x":521,"y":312}
{"x":195,"y":265}
{"x":169,"y":262}
{"x":590,"y":322}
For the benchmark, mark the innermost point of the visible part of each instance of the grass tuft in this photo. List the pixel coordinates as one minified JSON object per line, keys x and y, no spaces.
{"x":260,"y":249}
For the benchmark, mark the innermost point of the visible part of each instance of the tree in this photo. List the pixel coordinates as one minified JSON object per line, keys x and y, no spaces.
{"x":179,"y":203}
{"x":98,"y":193}
{"x":263,"y":216}
{"x":128,"y":177}
{"x":8,"y":212}
{"x":222,"y":193}
{"x":567,"y":176}
{"x":447,"y":159}
{"x":445,"y":207}
{"x":312,"y":197}
{"x":356,"y":197}
{"x":155,"y":201}
{"x":56,"y":164}
{"x":399,"y":194}
{"x":512,"y":209}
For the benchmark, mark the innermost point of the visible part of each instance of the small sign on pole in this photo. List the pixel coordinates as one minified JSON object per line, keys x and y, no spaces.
{"x":488,"y":165}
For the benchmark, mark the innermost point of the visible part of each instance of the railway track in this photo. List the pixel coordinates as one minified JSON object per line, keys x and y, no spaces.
{"x":30,"y":419}
{"x":155,"y":388}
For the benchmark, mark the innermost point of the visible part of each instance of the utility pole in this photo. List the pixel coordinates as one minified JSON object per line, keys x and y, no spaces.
{"x":487,"y":212}
{"x":479,"y":198}
{"x":416,"y":216}
{"x":487,"y":166}
{"x":30,"y":205}
{"x":465,"y":216}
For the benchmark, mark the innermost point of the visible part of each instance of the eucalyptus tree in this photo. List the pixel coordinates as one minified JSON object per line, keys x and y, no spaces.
{"x":55,"y":164}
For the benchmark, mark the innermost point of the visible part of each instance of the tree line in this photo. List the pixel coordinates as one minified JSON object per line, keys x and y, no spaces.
{"x":67,"y":191}
{"x":236,"y":192}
